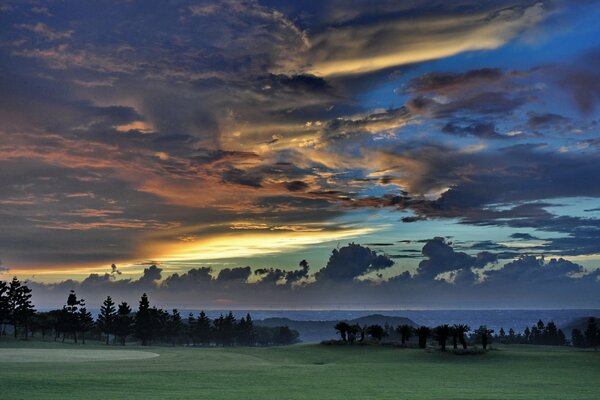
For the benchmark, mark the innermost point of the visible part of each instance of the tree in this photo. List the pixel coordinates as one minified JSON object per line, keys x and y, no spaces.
{"x":4,"y":307}
{"x":423,"y":333}
{"x":353,"y":332}
{"x":203,"y":329}
{"x":85,"y":320}
{"x":550,"y":335}
{"x":106,"y":317}
{"x":20,"y":308}
{"x":591,"y":333}
{"x":484,"y":335}
{"x":71,"y":315}
{"x":527,"y":335}
{"x":123,"y":322}
{"x":461,"y":330}
{"x":174,"y":326}
{"x":577,"y":338}
{"x":342,"y":328}
{"x":376,"y":332}
{"x":405,"y":332}
{"x":442,"y":332}
{"x":143,"y":321}
{"x":245,"y":332}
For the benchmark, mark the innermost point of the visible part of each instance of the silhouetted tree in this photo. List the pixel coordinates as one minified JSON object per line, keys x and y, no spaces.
{"x":442,"y":332}
{"x":71,"y":316}
{"x":245,"y":331}
{"x":484,"y":335}
{"x":143,"y":321}
{"x":106,"y":317}
{"x":405,"y":332}
{"x":174,"y":326}
{"x":123,"y":322}
{"x":20,"y":308}
{"x":591,"y":333}
{"x":577,"y":338}
{"x":342,"y":328}
{"x":203,"y":329}
{"x":423,"y":333}
{"x":85,"y":320}
{"x":527,"y":335}
{"x":461,"y":330}
{"x":376,"y":332}
{"x":4,"y":306}
{"x":353,"y":332}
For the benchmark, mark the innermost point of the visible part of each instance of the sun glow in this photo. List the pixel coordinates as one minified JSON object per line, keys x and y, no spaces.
{"x":247,"y":245}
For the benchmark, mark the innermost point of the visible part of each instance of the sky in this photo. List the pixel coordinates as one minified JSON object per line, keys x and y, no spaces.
{"x":227,"y":153}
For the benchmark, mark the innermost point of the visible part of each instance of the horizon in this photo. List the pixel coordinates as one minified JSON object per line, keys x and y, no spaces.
{"x":245,"y":155}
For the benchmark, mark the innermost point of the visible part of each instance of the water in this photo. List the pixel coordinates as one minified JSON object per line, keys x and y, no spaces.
{"x":494,"y":319}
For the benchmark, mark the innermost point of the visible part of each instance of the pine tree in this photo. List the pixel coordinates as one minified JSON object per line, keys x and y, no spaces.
{"x":19,"y":306}
{"x":143,"y":321}
{"x":106,"y":317}
{"x":71,"y":319}
{"x":174,"y":326}
{"x":123,"y":322}
{"x":191,"y":329}
{"x":577,"y":338}
{"x":85,"y":320}
{"x":4,"y":309}
{"x":203,"y":329}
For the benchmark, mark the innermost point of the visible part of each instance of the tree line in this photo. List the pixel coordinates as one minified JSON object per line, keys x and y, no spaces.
{"x":118,"y":323}
{"x":442,"y":334}
{"x":460,"y":335}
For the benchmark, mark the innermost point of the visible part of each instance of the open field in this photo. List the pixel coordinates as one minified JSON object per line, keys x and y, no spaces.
{"x":299,"y":372}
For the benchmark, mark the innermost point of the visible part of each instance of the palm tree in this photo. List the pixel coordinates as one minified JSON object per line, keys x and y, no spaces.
{"x":342,"y":328}
{"x":442,"y":332}
{"x":405,"y":332}
{"x":484,"y":333}
{"x":460,"y":330}
{"x":353,"y":331}
{"x":376,"y":332}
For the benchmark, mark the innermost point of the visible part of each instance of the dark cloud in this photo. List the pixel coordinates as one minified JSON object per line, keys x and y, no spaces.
{"x":523,"y":236}
{"x":448,"y":82}
{"x":296,"y":186}
{"x":234,"y":274}
{"x":476,"y":129}
{"x":546,"y":119}
{"x":441,"y":258}
{"x":351,"y":262}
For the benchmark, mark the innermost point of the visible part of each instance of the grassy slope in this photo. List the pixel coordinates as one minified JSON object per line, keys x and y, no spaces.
{"x":310,"y":372}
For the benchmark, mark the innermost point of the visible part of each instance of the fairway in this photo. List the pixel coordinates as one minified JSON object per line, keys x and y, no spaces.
{"x":70,"y":355}
{"x":306,"y":371}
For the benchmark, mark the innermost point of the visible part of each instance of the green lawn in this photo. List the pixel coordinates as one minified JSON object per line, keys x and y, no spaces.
{"x":306,"y":372}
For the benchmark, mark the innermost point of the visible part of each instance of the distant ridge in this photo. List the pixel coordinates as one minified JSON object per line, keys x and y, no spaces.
{"x":315,"y":331}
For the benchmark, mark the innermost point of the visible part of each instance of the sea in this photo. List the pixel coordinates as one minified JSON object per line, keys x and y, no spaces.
{"x":493,"y":319}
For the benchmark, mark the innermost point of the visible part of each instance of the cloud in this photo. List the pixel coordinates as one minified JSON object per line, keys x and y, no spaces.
{"x":441,"y":257}
{"x":534,"y":281}
{"x":351,"y":262}
{"x":355,"y":49}
{"x":46,"y":32}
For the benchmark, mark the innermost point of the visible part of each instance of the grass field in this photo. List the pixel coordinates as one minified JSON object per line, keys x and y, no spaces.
{"x":300,"y":372}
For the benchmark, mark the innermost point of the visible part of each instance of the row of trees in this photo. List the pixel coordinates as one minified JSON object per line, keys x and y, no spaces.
{"x":116,"y":323}
{"x":458,"y":334}
{"x":539,"y":334}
